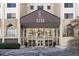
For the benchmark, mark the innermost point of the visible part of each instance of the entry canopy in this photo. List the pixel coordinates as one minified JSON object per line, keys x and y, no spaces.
{"x":40,"y":19}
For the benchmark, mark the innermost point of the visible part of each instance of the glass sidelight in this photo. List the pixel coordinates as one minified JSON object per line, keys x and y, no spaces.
{"x":31,"y":43}
{"x":48,"y":43}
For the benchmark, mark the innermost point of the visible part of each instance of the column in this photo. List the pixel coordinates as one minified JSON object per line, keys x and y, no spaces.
{"x":36,"y":37}
{"x":19,"y":37}
{"x":44,"y":37}
{"x":53,"y":34}
{"x":3,"y":18}
{"x":26,"y":34}
{"x":18,"y":21}
{"x":57,"y":36}
{"x":23,"y":36}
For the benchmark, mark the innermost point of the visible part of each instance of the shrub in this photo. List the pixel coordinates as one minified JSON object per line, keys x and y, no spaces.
{"x":9,"y":46}
{"x":73,"y":46}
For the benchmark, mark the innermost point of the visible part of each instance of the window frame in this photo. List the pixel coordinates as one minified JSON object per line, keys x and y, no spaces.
{"x":40,"y":7}
{"x":68,"y":15}
{"x":40,"y":20}
{"x":48,"y":7}
{"x":11,"y":15}
{"x":68,"y":31}
{"x":11,"y":31}
{"x":31,"y":7}
{"x":66,"y":5}
{"x":11,"y":5}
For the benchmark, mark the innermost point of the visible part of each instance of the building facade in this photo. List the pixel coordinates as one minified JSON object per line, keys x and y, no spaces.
{"x":40,"y":25}
{"x":10,"y":23}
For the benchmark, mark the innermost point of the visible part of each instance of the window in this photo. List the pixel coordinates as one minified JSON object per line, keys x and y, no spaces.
{"x":11,"y":31}
{"x":48,"y":7}
{"x":68,"y":15}
{"x":68,"y":5}
{"x":48,"y":43}
{"x":49,"y":32}
{"x":11,"y":15}
{"x":68,"y":31}
{"x":40,"y":7}
{"x":31,"y":43}
{"x":40,"y":34}
{"x":11,"y":5}
{"x":40,"y":20}
{"x":31,"y":7}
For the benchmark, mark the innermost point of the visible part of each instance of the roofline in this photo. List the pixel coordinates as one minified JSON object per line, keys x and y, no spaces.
{"x":51,"y":13}
{"x":28,"y":14}
{"x":37,"y":10}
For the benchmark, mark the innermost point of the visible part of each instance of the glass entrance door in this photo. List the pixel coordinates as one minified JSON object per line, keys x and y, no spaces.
{"x":40,"y":43}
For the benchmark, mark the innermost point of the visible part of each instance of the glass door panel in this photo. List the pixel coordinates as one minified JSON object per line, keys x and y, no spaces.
{"x":40,"y":43}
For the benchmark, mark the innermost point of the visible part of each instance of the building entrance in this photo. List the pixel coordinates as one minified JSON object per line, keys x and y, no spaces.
{"x":40,"y":37}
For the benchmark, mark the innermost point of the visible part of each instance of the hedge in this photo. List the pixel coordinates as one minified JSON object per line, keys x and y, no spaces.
{"x":9,"y":46}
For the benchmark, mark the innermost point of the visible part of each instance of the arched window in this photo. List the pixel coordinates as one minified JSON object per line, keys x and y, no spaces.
{"x":68,"y":31}
{"x":11,"y":31}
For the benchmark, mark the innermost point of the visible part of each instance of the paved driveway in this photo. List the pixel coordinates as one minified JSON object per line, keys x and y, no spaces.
{"x":2,"y":51}
{"x":58,"y":51}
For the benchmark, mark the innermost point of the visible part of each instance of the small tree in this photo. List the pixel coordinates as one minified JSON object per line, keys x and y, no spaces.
{"x":73,"y":45}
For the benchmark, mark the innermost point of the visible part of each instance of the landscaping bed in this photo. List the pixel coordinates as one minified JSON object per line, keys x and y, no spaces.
{"x":9,"y":46}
